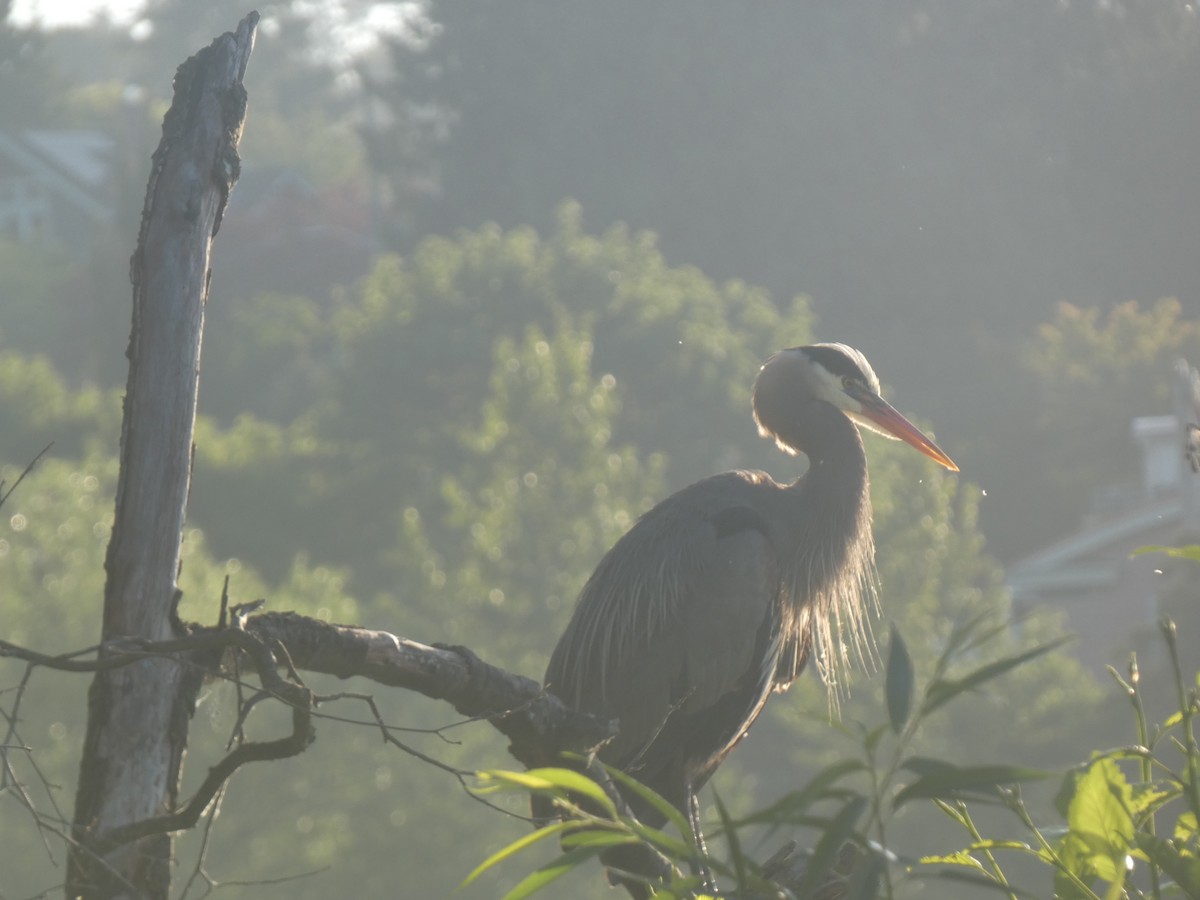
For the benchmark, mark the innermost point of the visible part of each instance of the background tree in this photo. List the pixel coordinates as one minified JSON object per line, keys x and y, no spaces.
{"x":447,"y":446}
{"x":1092,"y":371}
{"x":483,"y":418}
{"x":934,"y":175}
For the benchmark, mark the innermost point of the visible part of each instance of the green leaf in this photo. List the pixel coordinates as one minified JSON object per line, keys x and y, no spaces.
{"x":1182,"y":867}
{"x":552,"y":871}
{"x":943,"y":781}
{"x":1100,"y":822}
{"x":735,"y":847}
{"x":1185,"y":827}
{"x":872,"y":738}
{"x":664,"y":806}
{"x":593,"y":836}
{"x":965,"y":860}
{"x":958,"y":858}
{"x":667,"y":843}
{"x":553,"y":781}
{"x":1072,"y":869}
{"x":1000,"y":845}
{"x":514,"y":848}
{"x":1062,"y":800}
{"x":1072,"y":777}
{"x":1190,"y":552}
{"x":944,"y":690}
{"x":898,"y":686}
{"x":1150,"y":796}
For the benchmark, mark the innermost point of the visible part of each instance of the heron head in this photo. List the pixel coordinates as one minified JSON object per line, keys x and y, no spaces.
{"x":841,"y":376}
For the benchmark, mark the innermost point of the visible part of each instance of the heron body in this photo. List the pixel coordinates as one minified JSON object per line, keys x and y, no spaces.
{"x":718,"y":595}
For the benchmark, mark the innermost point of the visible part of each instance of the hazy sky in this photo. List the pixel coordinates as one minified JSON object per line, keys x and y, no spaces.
{"x":71,"y":12}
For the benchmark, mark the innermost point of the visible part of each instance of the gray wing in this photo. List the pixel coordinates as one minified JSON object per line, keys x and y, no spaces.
{"x":676,"y":618}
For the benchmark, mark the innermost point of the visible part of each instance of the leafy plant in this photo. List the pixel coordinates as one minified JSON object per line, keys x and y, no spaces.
{"x":1128,"y":815}
{"x":849,"y":803}
{"x":1111,"y":845}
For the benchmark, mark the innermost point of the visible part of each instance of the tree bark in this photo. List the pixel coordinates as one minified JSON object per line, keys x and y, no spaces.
{"x":138,"y":715}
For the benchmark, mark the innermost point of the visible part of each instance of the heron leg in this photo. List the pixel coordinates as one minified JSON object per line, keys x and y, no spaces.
{"x":701,"y":868}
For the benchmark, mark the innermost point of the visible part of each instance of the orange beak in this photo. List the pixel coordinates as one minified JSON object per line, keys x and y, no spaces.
{"x":883,"y":414}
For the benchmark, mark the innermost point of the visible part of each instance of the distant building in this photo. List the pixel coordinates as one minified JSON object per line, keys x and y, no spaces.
{"x":1110,"y":597}
{"x":279,"y":234}
{"x":56,"y":186}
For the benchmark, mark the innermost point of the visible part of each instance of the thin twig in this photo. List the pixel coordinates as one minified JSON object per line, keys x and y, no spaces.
{"x":29,"y":468}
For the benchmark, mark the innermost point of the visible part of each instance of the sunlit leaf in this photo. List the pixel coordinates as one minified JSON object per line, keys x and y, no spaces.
{"x":1073,"y":868}
{"x":1062,"y":799}
{"x":1000,"y":845}
{"x":660,"y":803}
{"x":514,"y":848}
{"x":1149,"y":796}
{"x":596,"y":837}
{"x":1185,"y":827}
{"x":1189,"y":552}
{"x":1182,"y":867}
{"x":1099,"y":819}
{"x":664,"y":841}
{"x":958,"y":858}
{"x":550,"y":781}
{"x":552,"y":871}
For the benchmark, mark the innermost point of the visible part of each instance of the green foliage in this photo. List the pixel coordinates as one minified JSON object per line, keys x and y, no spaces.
{"x":375,"y":444}
{"x":449,"y":446}
{"x":477,"y":555}
{"x":37,"y":407}
{"x":54,"y":532}
{"x":67,"y":306}
{"x":853,"y":801}
{"x":1191,"y":552}
{"x":1109,"y":847}
{"x":1112,"y":806}
{"x":575,"y":360}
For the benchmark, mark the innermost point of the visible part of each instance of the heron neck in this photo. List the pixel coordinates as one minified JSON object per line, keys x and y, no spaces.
{"x":824,"y":434}
{"x":829,"y":575}
{"x":836,"y":481}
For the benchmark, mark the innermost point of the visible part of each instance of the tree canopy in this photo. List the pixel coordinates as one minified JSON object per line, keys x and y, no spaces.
{"x":444,"y":446}
{"x":466,"y":431}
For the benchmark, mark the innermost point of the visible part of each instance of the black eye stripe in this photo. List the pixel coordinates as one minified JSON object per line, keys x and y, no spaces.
{"x":835,"y":361}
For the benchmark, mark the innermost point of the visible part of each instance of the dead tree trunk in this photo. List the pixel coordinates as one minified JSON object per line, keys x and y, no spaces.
{"x":138,"y":715}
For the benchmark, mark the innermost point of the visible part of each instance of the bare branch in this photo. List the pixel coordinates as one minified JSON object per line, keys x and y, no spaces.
{"x":537,"y":723}
{"x":4,"y":495}
{"x":293,"y":693}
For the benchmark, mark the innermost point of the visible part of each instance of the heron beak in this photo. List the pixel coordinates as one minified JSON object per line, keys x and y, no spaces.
{"x":884,"y":415}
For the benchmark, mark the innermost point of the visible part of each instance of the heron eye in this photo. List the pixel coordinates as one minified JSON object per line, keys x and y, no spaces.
{"x":848,"y":383}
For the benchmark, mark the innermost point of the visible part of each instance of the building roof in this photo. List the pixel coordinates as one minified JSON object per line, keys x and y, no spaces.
{"x":75,"y":165}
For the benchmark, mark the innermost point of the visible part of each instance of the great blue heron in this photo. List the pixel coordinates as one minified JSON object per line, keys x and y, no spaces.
{"x":718,"y":595}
